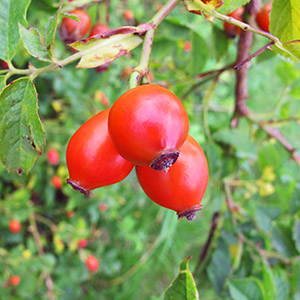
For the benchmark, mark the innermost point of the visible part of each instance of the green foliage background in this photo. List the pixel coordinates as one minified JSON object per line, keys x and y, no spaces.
{"x":253,"y":190}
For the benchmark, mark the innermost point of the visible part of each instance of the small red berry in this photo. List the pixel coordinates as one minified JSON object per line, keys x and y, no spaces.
{"x":128,"y":15}
{"x":70,"y":214}
{"x":3,"y":64}
{"x":187,"y":46}
{"x":103,"y":207}
{"x":82,"y":243}
{"x":230,"y":29}
{"x":126,"y":72}
{"x":71,"y":30}
{"x":92,"y":263}
{"x":15,"y":226}
{"x":56,"y":182}
{"x":14,"y":280}
{"x":99,"y":28}
{"x":263,"y":17}
{"x":53,"y":157}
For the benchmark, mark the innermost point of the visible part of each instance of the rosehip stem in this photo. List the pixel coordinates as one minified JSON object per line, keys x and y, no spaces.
{"x":143,"y":67}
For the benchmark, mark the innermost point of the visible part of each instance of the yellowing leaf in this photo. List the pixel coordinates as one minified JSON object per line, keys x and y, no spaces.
{"x":265,"y":188}
{"x":107,"y":47}
{"x":199,"y":6}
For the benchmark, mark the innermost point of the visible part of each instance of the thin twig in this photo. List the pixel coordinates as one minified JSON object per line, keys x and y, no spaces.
{"x":36,"y":236}
{"x":213,"y":226}
{"x":236,"y":67}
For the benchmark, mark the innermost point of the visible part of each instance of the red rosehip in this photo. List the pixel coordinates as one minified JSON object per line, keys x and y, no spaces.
{"x":126,"y":72}
{"x":82,"y":243}
{"x":230,"y":29}
{"x":70,"y":214}
{"x":183,"y":186}
{"x":128,"y":15}
{"x":71,"y":30}
{"x":99,"y":28}
{"x":263,"y":17}
{"x":15,"y":226}
{"x":53,"y":157}
{"x":187,"y":46}
{"x":92,"y":263}
{"x":3,"y":64}
{"x":92,"y":159}
{"x":103,"y":207}
{"x":148,"y":125}
{"x":14,"y":280}
{"x":56,"y":182}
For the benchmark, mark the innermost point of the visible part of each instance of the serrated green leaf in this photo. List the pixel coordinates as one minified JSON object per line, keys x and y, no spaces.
{"x":22,"y":136}
{"x":199,"y":54}
{"x":12,"y":12}
{"x":246,"y":289}
{"x":285,"y":24}
{"x":231,"y":5}
{"x":183,"y":286}
{"x":32,"y":42}
{"x":103,"y":51}
{"x":50,"y":31}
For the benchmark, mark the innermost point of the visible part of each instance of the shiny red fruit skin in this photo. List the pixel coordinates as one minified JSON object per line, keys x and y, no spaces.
{"x":92,"y":159}
{"x":53,"y":157}
{"x":71,"y":30}
{"x":232,"y":30}
{"x":14,"y":280}
{"x":82,"y":243}
{"x":263,"y":17}
{"x":56,"y":182}
{"x":183,"y":186}
{"x":98,"y":29}
{"x":146,"y":122}
{"x":15,"y":226}
{"x":92,"y":263}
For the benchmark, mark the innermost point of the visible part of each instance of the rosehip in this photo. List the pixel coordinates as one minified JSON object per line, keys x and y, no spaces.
{"x":82,"y":243}
{"x":92,"y":263}
{"x":230,"y":29}
{"x":99,"y":28}
{"x":148,"y":124}
{"x":128,"y":15}
{"x":187,"y":46}
{"x":71,"y":30}
{"x":3,"y":64}
{"x":56,"y":182}
{"x":103,"y":207}
{"x":15,"y":226}
{"x":183,"y":186}
{"x":126,"y":72}
{"x":70,"y":214}
{"x":14,"y":280}
{"x":53,"y":157}
{"x":263,"y":17}
{"x":92,"y":159}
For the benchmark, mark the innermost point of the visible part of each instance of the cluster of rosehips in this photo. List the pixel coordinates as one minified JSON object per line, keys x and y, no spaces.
{"x":146,"y":127}
{"x":262,"y":20}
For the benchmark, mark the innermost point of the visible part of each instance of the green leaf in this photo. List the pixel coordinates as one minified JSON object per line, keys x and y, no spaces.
{"x":219,"y":267}
{"x":295,"y":201}
{"x":21,"y":133}
{"x":265,"y":215}
{"x":183,"y":286}
{"x":285,"y":24}
{"x":283,"y":242}
{"x":296,"y":234}
{"x":239,"y":139}
{"x":50,"y":31}
{"x":103,"y":51}
{"x":231,"y":5}
{"x":12,"y":12}
{"x":199,"y":54}
{"x":220,"y":42}
{"x":246,"y":289}
{"x":269,"y":282}
{"x":33,"y":43}
{"x":2,"y":82}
